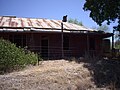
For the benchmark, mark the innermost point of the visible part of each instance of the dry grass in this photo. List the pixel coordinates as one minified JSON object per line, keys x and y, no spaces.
{"x":50,"y":75}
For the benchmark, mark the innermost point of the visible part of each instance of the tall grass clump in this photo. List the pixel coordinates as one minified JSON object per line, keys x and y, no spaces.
{"x":14,"y":58}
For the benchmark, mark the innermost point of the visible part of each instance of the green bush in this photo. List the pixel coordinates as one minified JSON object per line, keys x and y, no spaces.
{"x":14,"y":58}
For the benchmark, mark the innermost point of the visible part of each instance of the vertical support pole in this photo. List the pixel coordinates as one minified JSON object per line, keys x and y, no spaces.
{"x":64,"y":20}
{"x":32,"y":39}
{"x":87,"y":44}
{"x":113,"y":49}
{"x":32,"y":42}
{"x":62,"y":40}
{"x":119,"y":35}
{"x":21,"y":40}
{"x":26,"y":43}
{"x":113,"y":40}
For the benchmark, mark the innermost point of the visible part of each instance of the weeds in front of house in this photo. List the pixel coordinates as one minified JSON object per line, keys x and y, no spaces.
{"x":14,"y":58}
{"x":105,"y":72}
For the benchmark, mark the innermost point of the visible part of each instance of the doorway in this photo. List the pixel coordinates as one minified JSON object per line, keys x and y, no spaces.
{"x":44,"y":48}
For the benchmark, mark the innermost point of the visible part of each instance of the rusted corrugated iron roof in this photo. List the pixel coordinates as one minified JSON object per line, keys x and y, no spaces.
{"x":19,"y":24}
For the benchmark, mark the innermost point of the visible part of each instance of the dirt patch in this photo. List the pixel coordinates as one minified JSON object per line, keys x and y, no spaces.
{"x":50,"y":75}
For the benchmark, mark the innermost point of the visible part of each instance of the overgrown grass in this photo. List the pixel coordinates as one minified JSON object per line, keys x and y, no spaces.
{"x":105,"y":72}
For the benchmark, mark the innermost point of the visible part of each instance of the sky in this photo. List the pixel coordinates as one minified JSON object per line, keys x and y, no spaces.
{"x":50,"y":9}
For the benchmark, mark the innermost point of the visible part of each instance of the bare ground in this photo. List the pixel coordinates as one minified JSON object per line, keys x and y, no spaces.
{"x":50,"y":75}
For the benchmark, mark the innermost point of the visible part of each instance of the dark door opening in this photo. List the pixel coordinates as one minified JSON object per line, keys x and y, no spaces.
{"x":65,"y":43}
{"x":44,"y":48}
{"x":92,"y":44}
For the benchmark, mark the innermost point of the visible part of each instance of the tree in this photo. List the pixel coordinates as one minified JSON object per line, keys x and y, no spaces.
{"x":104,"y":10}
{"x":103,"y":27}
{"x":117,"y":42}
{"x":75,"y":21}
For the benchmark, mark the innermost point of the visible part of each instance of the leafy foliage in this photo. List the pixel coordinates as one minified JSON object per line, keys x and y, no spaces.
{"x":75,"y":21}
{"x":102,"y":28}
{"x":13,"y":58}
{"x":104,"y":10}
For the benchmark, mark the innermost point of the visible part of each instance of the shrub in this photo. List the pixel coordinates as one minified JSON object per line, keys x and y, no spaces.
{"x":14,"y":58}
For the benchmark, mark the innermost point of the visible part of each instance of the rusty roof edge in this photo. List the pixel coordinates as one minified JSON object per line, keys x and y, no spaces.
{"x":47,"y":28}
{"x":71,"y":30}
{"x":41,"y":28}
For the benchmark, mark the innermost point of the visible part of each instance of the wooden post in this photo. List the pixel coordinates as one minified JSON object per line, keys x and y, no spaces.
{"x":64,"y":20}
{"x":113,"y":49}
{"x":62,"y":40}
{"x":87,"y":43}
{"x":113,"y":40}
{"x":119,"y":35}
{"x":32,"y":41}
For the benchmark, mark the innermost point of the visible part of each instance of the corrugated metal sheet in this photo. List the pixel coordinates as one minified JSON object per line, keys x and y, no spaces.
{"x":9,"y":23}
